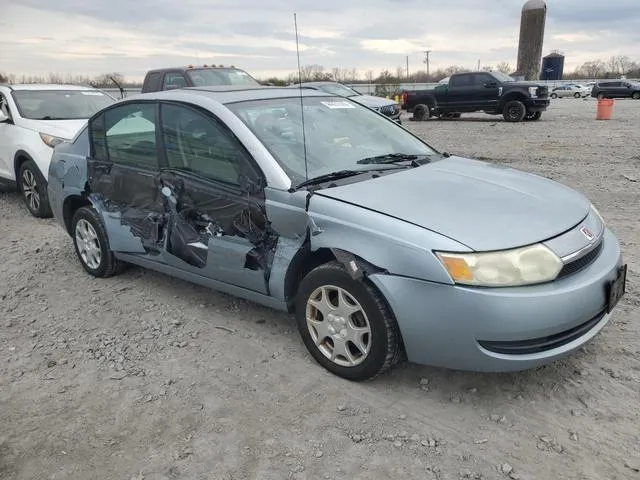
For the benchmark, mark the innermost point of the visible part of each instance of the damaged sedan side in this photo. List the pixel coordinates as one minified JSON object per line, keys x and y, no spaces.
{"x":313,"y":204}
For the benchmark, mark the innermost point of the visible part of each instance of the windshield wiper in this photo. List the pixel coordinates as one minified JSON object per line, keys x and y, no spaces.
{"x":330,"y":176}
{"x":416,"y":160}
{"x":49,"y":117}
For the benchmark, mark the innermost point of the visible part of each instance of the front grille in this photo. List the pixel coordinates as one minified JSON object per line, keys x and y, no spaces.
{"x":542,"y":344}
{"x":390,"y":110}
{"x":581,"y":262}
{"x":542,"y":92}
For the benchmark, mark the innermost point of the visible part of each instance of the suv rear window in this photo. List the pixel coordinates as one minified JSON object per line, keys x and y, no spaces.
{"x":206,"y":77}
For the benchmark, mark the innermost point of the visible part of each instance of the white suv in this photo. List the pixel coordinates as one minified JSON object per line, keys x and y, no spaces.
{"x":33,"y":120}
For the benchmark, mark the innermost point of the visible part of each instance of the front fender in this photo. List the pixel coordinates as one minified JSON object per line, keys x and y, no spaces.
{"x":391,"y":244}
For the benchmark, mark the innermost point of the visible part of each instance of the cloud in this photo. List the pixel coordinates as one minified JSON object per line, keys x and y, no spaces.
{"x":130,"y":37}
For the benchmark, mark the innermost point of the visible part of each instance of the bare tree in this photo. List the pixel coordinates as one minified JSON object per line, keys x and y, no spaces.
{"x":614,"y":65}
{"x":504,"y":67}
{"x":592,"y":68}
{"x":625,"y":64}
{"x":4,"y":78}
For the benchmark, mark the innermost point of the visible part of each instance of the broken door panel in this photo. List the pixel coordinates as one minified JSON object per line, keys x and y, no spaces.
{"x":217,"y":231}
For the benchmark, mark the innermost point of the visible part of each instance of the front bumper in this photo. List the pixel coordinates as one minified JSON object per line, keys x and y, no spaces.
{"x":465,"y":328}
{"x":538,"y":104}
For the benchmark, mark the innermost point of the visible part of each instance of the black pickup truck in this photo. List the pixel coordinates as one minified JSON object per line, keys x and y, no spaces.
{"x":195,"y":76}
{"x":489,"y":92}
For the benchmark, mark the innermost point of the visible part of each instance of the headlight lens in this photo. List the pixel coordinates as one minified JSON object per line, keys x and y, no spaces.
{"x":50,"y":140}
{"x":508,"y":268}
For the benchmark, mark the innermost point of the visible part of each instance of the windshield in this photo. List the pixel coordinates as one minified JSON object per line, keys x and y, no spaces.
{"x":60,"y":104}
{"x":338,"y":133}
{"x":503,"y":77}
{"x":208,"y":77}
{"x":338,"y":89}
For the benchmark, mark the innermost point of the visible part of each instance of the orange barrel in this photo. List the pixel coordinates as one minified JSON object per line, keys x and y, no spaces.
{"x":605,"y":109}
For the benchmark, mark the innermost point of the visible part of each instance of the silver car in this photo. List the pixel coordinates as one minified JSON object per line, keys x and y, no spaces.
{"x":384,"y":248}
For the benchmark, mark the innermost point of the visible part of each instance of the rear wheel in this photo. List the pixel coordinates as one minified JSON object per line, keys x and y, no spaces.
{"x":421,"y":112}
{"x":577,"y":95}
{"x":533,"y":116}
{"x":92,"y":244}
{"x":33,"y":187}
{"x":514,"y":111}
{"x":601,"y":96}
{"x":554,"y":95}
{"x":636,"y":95}
{"x":346,"y":324}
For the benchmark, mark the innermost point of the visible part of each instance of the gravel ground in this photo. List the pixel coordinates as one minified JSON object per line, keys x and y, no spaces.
{"x":146,"y":377}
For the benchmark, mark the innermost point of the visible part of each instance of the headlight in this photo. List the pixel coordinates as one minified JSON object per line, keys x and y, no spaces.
{"x":508,"y":268}
{"x":50,"y":140}
{"x":533,"y":91}
{"x":595,"y":210}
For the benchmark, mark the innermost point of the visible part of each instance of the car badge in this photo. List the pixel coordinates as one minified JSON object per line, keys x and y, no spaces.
{"x":587,"y":233}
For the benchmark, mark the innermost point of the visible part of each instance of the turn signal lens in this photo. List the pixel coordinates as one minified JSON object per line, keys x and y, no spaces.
{"x":50,"y":140}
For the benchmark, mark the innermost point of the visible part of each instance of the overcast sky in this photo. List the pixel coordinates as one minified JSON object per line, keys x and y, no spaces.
{"x":132,"y":36}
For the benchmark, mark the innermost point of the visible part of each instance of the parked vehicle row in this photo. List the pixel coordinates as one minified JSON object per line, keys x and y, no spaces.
{"x":317,"y":205}
{"x":616,"y":89}
{"x":575,"y":90}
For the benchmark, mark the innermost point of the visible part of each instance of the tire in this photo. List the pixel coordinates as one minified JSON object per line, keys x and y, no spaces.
{"x":577,"y":95}
{"x":514,"y":111}
{"x":554,"y":95}
{"x":421,"y":112}
{"x":600,"y":96}
{"x":533,"y":117}
{"x":384,"y":345}
{"x":33,"y":188}
{"x":87,"y":223}
{"x":636,"y":95}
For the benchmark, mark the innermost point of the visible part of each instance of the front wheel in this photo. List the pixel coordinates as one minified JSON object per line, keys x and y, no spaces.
{"x":577,"y":95}
{"x":554,"y":95}
{"x":346,"y":324}
{"x":92,"y":244}
{"x":34,"y":190}
{"x":514,"y":111}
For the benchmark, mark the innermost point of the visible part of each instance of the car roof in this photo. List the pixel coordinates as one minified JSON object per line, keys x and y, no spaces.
{"x":47,"y":86}
{"x":232,"y":94}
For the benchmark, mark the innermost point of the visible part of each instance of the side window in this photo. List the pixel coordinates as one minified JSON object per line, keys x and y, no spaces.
{"x":173,"y":80}
{"x":153,"y":82}
{"x":461,"y":81}
{"x":126,"y":135}
{"x":479,"y":79}
{"x":196,"y":143}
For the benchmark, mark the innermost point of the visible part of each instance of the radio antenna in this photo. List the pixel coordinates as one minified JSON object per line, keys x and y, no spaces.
{"x":304,"y":137}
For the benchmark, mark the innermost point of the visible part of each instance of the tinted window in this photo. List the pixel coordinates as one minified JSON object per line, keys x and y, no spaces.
{"x":482,"y":78}
{"x":126,"y":135}
{"x":196,"y":143}
{"x":461,"y":81}
{"x":153,"y":81}
{"x":60,"y":104}
{"x":174,"y":80}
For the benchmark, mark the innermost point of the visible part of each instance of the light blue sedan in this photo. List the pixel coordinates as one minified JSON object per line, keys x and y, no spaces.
{"x":384,"y":248}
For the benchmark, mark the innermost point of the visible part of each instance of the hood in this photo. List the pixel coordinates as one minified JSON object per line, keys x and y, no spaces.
{"x":372,"y":101}
{"x":66,"y":129}
{"x":482,"y":205}
{"x":525,"y":84}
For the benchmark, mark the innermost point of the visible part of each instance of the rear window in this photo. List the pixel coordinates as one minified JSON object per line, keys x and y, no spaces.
{"x":153,"y":81}
{"x":207,"y":77}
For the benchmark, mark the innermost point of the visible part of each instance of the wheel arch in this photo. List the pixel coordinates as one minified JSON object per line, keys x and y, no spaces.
{"x":511,"y":96}
{"x":20,"y":157}
{"x":70,"y":206}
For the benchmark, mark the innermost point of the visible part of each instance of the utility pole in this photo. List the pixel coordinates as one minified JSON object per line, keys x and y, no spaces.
{"x":407,"y":68}
{"x":426,"y":60}
{"x":478,"y":65}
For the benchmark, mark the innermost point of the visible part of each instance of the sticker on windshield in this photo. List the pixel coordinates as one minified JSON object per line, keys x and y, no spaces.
{"x":338,"y":104}
{"x":95,"y":94}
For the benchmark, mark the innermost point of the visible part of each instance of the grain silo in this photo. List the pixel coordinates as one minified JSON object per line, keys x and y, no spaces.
{"x":532,"y":24}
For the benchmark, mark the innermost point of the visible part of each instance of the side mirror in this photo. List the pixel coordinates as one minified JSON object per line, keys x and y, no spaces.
{"x":3,"y":117}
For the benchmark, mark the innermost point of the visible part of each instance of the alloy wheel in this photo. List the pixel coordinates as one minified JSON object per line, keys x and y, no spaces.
{"x":30,"y":190}
{"x":88,"y":244}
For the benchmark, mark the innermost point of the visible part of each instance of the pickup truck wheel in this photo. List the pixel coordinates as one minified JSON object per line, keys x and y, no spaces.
{"x":421,"y":112}
{"x":514,"y":111}
{"x":533,"y":116}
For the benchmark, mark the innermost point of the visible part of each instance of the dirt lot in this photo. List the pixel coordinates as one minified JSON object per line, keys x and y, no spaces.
{"x":145,"y":377}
